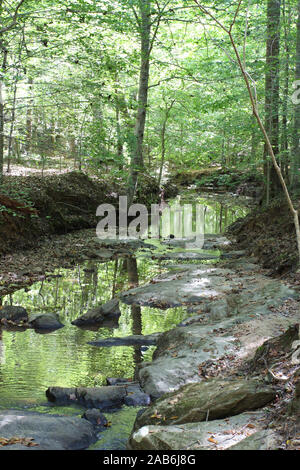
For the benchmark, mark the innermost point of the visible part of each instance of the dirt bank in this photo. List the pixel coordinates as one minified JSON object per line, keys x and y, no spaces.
{"x":223,"y":179}
{"x":33,"y":207}
{"x":269,"y":235}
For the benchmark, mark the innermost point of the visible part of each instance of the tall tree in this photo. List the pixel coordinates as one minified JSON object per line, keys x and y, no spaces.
{"x":296,"y":129}
{"x":147,"y":20}
{"x":272,"y":92}
{"x":8,"y":21}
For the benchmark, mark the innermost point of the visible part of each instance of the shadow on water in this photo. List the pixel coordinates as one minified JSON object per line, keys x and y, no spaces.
{"x":31,"y":362}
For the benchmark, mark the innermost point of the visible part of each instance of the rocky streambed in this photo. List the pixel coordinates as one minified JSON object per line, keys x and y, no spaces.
{"x":217,"y":378}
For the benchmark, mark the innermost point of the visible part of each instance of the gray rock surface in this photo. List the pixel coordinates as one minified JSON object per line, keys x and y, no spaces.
{"x":134,"y":340}
{"x":95,"y":417}
{"x":211,"y":435}
{"x":14,"y":313}
{"x":209,"y":400}
{"x":178,"y":355}
{"x":265,"y":439}
{"x":194,"y":285}
{"x":108,"y":311}
{"x":45,"y":321}
{"x":50,"y":432}
{"x":104,"y":398}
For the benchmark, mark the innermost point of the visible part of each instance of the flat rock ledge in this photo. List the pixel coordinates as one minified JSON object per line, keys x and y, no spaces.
{"x":49,"y":432}
{"x":237,"y":432}
{"x":197,"y":285}
{"x":209,"y":400}
{"x":104,"y":398}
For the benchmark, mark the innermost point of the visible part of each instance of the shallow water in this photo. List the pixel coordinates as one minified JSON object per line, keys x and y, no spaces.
{"x":31,"y":362}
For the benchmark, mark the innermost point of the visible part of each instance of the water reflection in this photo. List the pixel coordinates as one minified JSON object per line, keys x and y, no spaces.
{"x":31,"y":362}
{"x":136,"y":312}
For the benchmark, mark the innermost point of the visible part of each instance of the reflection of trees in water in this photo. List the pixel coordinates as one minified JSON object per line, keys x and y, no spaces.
{"x":136,"y":312}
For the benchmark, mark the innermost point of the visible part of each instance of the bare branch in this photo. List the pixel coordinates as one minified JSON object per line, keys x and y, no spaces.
{"x":207,"y":12}
{"x":235,"y":16}
{"x":15,"y":18}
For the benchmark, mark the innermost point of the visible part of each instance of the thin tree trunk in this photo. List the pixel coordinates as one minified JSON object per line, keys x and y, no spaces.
{"x":268,"y":142}
{"x":2,"y":74}
{"x":284,"y":131}
{"x":29,"y":119}
{"x":272,"y":88}
{"x":12,"y":124}
{"x":137,"y":159}
{"x":296,"y":133}
{"x":163,"y":139}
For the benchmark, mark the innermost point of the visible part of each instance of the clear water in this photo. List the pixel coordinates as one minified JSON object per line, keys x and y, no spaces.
{"x":31,"y":362}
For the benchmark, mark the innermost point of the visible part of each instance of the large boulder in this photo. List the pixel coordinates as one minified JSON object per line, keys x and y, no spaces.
{"x":108,"y":311}
{"x":210,"y":435}
{"x":14,"y":314}
{"x":178,"y":355}
{"x":49,"y":432}
{"x":209,"y":400}
{"x":47,"y":321}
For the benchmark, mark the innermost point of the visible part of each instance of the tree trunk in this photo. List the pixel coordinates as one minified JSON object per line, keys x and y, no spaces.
{"x":29,"y":120}
{"x":137,"y":159}
{"x":296,"y":133}
{"x":163,"y":138}
{"x":284,"y":147}
{"x":2,"y":74}
{"x":272,"y":90}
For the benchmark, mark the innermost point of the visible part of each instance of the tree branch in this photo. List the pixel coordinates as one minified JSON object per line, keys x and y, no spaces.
{"x":15,"y":18}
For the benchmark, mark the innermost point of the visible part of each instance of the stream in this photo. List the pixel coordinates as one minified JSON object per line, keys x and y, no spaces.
{"x":30,"y":362}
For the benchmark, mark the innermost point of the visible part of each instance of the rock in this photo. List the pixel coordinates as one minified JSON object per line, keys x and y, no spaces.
{"x":107,"y":397}
{"x":46,"y":321}
{"x":50,"y":432}
{"x":178,"y":355}
{"x":136,"y":397}
{"x":294,"y":406}
{"x":200,"y":284}
{"x":274,"y":347}
{"x":95,"y":417}
{"x":108,"y":311}
{"x":184,"y":255}
{"x":14,"y":314}
{"x":99,"y":397}
{"x":209,"y":400}
{"x":233,"y":254}
{"x":195,"y":436}
{"x":117,"y":381}
{"x":261,"y":440}
{"x":135,"y":340}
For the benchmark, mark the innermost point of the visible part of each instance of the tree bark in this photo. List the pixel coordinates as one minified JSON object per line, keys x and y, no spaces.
{"x":296,"y":134}
{"x":284,"y":147}
{"x":137,"y":159}
{"x":272,"y":90}
{"x":2,"y":73}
